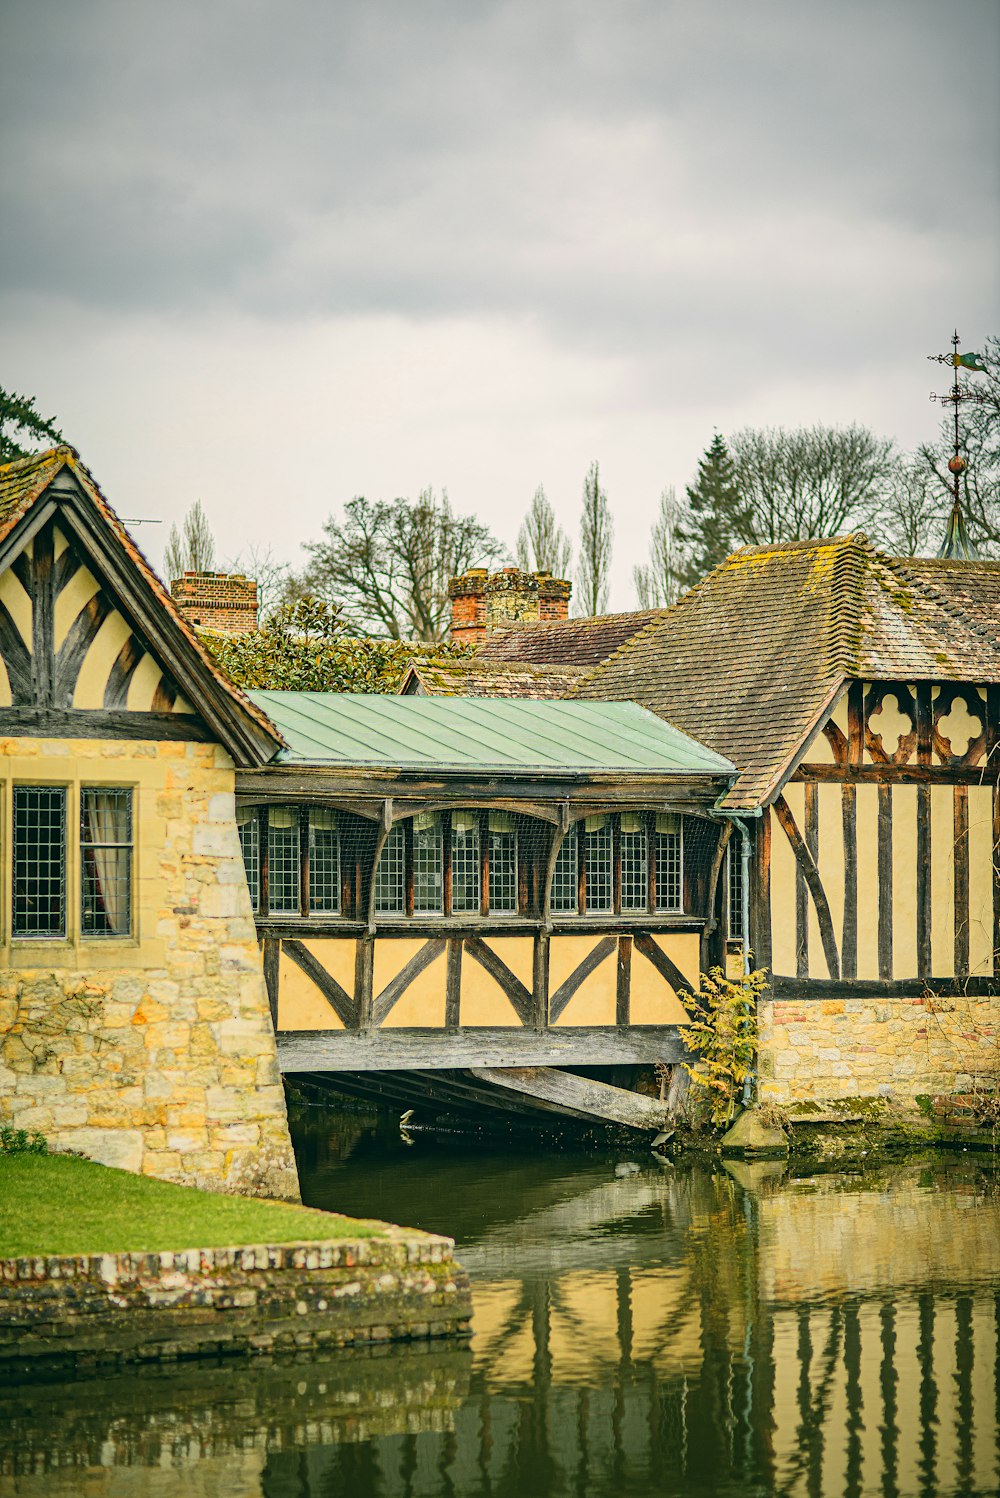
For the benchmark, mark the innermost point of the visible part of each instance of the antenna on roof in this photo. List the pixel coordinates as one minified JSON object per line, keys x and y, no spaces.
{"x":138,"y":520}
{"x":956,"y":545}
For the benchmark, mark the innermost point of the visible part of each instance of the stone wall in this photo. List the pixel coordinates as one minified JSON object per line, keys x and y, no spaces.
{"x":121,"y":1308}
{"x":155,"y":1052}
{"x":815,"y":1049}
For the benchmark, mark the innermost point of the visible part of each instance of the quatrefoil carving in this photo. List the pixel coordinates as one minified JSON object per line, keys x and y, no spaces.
{"x":892,"y":728}
{"x":958,"y":728}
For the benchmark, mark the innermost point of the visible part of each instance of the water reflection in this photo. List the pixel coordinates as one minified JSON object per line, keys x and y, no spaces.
{"x":663,"y":1331}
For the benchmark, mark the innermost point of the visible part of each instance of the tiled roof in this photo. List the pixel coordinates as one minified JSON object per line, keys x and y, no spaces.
{"x":479,"y":678}
{"x":450,"y":734}
{"x":749,"y":660}
{"x":566,"y":642}
{"x":25,"y":481}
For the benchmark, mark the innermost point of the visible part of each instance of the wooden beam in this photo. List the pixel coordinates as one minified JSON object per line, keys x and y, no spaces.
{"x":810,"y":873}
{"x":577,"y":1097}
{"x":339,"y":1000}
{"x":961,"y":881}
{"x":453,"y":984}
{"x":667,"y":970}
{"x":43,"y":618}
{"x":623,"y":986}
{"x":501,"y":974}
{"x":271,"y":957}
{"x":884,"y":882}
{"x":98,"y":723}
{"x":849,"y":941}
{"x":17,"y":659}
{"x":397,"y":986}
{"x":873,"y":988}
{"x":855,"y":724}
{"x":904,"y":774}
{"x":569,"y":1045}
{"x":540,"y":981}
{"x":560,"y":999}
{"x":923,"y":881}
{"x":760,"y":894}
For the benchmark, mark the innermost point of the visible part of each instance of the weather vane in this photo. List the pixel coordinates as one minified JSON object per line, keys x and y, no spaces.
{"x":956,"y":545}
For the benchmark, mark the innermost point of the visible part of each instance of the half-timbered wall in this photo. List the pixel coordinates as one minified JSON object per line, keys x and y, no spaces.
{"x":64,"y":642}
{"x":571,"y":974}
{"x":877,"y":908}
{"x":881,"y":861}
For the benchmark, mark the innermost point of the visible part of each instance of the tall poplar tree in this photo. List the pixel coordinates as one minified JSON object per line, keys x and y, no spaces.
{"x":596,"y":533}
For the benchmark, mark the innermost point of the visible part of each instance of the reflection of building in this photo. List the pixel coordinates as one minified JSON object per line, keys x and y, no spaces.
{"x":684,"y":1335}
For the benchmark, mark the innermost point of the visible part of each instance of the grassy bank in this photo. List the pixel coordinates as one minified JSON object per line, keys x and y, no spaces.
{"x":56,"y":1204}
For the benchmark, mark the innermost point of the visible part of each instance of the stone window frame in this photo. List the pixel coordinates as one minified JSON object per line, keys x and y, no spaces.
{"x":72,"y":936}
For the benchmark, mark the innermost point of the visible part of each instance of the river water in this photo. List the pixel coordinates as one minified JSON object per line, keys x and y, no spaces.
{"x":640,"y":1328}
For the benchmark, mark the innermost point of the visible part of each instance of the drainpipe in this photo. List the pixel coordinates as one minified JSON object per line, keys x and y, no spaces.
{"x":739,"y":822}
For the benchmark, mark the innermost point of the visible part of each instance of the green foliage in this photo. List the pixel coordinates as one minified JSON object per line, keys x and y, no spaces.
{"x":715,"y":512}
{"x":723,"y":1030}
{"x":59,"y":1204}
{"x":23,"y":429}
{"x":21,"y":1142}
{"x":305,"y":647}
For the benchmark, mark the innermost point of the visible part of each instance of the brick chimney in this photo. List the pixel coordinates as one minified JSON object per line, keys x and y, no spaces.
{"x":224,"y":602}
{"x":481,"y":603}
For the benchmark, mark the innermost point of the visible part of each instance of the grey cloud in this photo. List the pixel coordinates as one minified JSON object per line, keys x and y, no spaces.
{"x":621,"y":175}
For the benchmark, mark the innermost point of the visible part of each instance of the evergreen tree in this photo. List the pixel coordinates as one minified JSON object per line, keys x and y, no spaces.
{"x":23,"y":428}
{"x":715,"y":511}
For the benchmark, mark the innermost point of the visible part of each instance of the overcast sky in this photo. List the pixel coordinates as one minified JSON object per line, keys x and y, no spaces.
{"x":274,"y":253}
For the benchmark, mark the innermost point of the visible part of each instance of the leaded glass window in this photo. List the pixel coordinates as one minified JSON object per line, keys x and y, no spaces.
{"x":465,"y":872}
{"x":598,"y":855}
{"x":428,"y":875}
{"x":565,"y":886}
{"x":39,"y":860}
{"x":105,"y":861}
{"x":669,"y":862}
{"x":248,"y":827}
{"x":283,"y":861}
{"x":735,"y":891}
{"x":390,"y":875}
{"x":324,"y":862}
{"x":503,"y":862}
{"x":635,"y":863}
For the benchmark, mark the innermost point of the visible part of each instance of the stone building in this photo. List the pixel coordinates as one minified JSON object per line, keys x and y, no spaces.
{"x":134,"y":1022}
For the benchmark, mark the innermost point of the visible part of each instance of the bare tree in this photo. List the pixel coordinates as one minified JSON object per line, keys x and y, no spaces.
{"x":913,"y":514}
{"x":542,"y":544}
{"x":270,"y":575}
{"x":388,"y":562}
{"x":192,"y":548}
{"x":596,"y":535}
{"x":813,"y":481}
{"x":660,"y":581}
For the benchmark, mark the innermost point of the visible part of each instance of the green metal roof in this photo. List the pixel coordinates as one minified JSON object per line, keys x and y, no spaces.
{"x":480,"y":733}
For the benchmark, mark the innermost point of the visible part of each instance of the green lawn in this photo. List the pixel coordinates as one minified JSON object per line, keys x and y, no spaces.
{"x":56,"y":1204}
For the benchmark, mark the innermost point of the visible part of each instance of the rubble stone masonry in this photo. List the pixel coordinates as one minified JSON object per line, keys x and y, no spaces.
{"x":902,"y":1048}
{"x":155,"y":1053}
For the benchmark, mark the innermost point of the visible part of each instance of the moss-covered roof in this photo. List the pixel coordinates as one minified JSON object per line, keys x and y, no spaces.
{"x":565,"y":642}
{"x":479,"y":678}
{"x":751,"y":658}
